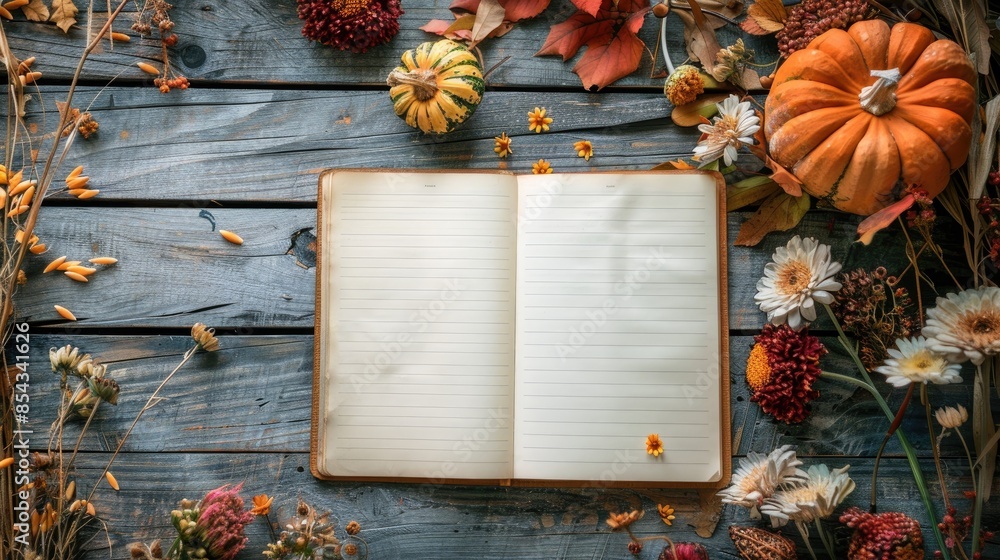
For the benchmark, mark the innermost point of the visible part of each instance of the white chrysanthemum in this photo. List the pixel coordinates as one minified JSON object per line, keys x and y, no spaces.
{"x":913,"y":361}
{"x":801,"y":274}
{"x":815,"y":498}
{"x":951,"y":417}
{"x":732,"y":129}
{"x":965,"y":325}
{"x":760,"y":475}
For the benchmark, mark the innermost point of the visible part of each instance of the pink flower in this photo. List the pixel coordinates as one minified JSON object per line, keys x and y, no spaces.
{"x":223,"y":517}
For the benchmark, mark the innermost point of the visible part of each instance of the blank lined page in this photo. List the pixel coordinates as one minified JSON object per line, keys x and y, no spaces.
{"x":418,"y":300}
{"x":618,"y":324}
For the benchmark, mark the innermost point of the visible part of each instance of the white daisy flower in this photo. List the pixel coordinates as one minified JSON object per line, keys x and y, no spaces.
{"x":759,"y":475}
{"x":951,"y":417}
{"x":815,"y":498}
{"x":913,"y":361}
{"x":732,"y":129}
{"x":801,"y":275}
{"x":965,"y":325}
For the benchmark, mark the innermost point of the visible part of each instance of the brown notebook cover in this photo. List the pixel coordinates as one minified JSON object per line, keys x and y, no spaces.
{"x":476,"y":327}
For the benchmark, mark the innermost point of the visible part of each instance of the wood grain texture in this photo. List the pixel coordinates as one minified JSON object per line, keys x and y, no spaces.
{"x":260,"y":40}
{"x":427,"y":521}
{"x":254,"y":395}
{"x":174,"y":269}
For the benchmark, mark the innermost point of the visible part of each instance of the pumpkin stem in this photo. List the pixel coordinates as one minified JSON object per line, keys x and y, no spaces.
{"x":880,"y":97}
{"x":423,"y":82}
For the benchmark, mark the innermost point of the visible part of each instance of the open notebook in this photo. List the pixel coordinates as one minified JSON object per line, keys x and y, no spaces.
{"x":482,"y":327}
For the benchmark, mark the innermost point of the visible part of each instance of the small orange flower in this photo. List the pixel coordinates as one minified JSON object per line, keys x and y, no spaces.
{"x":537,"y":121}
{"x":654,"y":446}
{"x":666,"y":513}
{"x":261,"y":504}
{"x":622,"y":520}
{"x":501,"y":145}
{"x":541,"y":167}
{"x":584,"y":149}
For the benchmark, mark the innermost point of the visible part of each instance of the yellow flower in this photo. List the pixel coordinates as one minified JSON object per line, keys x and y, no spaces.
{"x":537,"y":121}
{"x":501,"y":145}
{"x":666,"y":513}
{"x":584,"y":149}
{"x":261,"y":504}
{"x":541,"y":167}
{"x":684,"y":85}
{"x":654,"y":446}
{"x":622,"y":520}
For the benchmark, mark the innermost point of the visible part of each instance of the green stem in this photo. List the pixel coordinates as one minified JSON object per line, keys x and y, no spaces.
{"x":804,"y":531}
{"x":911,"y":455}
{"x":827,"y":541}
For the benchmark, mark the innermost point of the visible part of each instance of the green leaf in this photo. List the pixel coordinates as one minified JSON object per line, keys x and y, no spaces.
{"x":749,"y":191}
{"x":781,"y":212}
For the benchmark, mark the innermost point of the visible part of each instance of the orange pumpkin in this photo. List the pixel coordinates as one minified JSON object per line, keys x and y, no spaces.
{"x":860,"y":113}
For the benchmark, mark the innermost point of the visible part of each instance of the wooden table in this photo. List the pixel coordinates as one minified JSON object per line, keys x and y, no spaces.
{"x":241,"y":150}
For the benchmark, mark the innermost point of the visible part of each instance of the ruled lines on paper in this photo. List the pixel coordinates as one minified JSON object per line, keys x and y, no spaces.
{"x":422,"y":351}
{"x":617,"y":328}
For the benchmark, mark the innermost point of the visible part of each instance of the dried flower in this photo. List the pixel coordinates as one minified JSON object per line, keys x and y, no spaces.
{"x":214,"y":527}
{"x":875,"y":312}
{"x":965,"y":325}
{"x":951,"y":417}
{"x":684,"y":85}
{"x":815,"y":498}
{"x":732,"y":129}
{"x":912,"y":361}
{"x":352,"y":527}
{"x":261,"y":504}
{"x":666,"y":513}
{"x":635,"y":547}
{"x":684,"y":551}
{"x":800,"y":275}
{"x":537,"y":121}
{"x":307,"y":535}
{"x":501,"y":145}
{"x":354,"y":25}
{"x":205,"y":337}
{"x":781,"y":370}
{"x":654,"y":445}
{"x":68,"y":360}
{"x":883,"y":536}
{"x":729,"y":62}
{"x":104,"y":388}
{"x":811,"y":18}
{"x":622,"y":520}
{"x":758,"y":476}
{"x":350,"y":549}
{"x":584,"y":149}
{"x":757,"y":544}
{"x":541,"y":167}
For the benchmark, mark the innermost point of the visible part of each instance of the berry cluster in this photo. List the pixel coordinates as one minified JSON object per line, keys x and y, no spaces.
{"x":883,"y":536}
{"x":875,"y":311}
{"x":957,"y":529}
{"x":166,"y":84}
{"x":922,"y":216}
{"x":988,"y":210}
{"x":811,"y":18}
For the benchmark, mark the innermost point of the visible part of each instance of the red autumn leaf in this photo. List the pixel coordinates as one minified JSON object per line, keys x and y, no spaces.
{"x":446,"y":29}
{"x":589,"y":6}
{"x":516,"y":10}
{"x":613,"y":49}
{"x":785,"y":178}
{"x":883,"y":219}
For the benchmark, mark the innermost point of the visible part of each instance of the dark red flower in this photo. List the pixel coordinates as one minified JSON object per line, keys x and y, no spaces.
{"x":354,"y":25}
{"x":684,"y":551}
{"x":883,"y":536}
{"x":781,"y":370}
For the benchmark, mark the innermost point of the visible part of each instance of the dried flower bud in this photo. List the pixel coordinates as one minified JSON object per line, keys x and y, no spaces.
{"x":104,"y":388}
{"x":353,"y":527}
{"x":684,"y":85}
{"x":205,"y":337}
{"x":950,"y":417}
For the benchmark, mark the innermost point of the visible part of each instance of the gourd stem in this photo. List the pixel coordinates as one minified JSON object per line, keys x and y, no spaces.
{"x":880,"y":97}
{"x":423,"y":82}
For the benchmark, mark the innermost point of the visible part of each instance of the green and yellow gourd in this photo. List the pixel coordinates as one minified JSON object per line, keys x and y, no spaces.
{"x":438,"y":86}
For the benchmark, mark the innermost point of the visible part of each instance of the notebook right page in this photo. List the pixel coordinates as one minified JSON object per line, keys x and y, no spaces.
{"x":618,"y":328}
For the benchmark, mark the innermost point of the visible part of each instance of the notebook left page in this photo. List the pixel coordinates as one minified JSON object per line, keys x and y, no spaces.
{"x":417,"y":325}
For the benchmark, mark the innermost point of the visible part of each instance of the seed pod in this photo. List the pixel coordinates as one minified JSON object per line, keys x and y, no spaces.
{"x":116,"y":36}
{"x":82,"y":270}
{"x":54,"y":264}
{"x":65,"y":313}
{"x":231,"y":237}
{"x":66,"y":264}
{"x":4,"y":13}
{"x":6,"y":462}
{"x":103,"y":260}
{"x":37,"y":249}
{"x":77,"y":192}
{"x":15,"y":4}
{"x":77,"y":182}
{"x":112,"y":482}
{"x":28,"y":195}
{"x":30,"y":77}
{"x":148,"y":68}
{"x":25,"y":64}
{"x":76,"y":276}
{"x":71,"y":490}
{"x":89,"y":193}
{"x":21,"y":187}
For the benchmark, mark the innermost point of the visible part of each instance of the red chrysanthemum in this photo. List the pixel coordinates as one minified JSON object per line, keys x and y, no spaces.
{"x":354,"y":25}
{"x":781,"y":370}
{"x":883,"y":536}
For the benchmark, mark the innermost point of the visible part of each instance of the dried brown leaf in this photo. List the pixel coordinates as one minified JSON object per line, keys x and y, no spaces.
{"x":699,"y":36}
{"x":749,"y":191}
{"x":64,"y":14}
{"x":489,"y":17}
{"x":969,"y":19}
{"x":695,"y":113}
{"x":36,"y":10}
{"x":768,"y":15}
{"x":781,"y":212}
